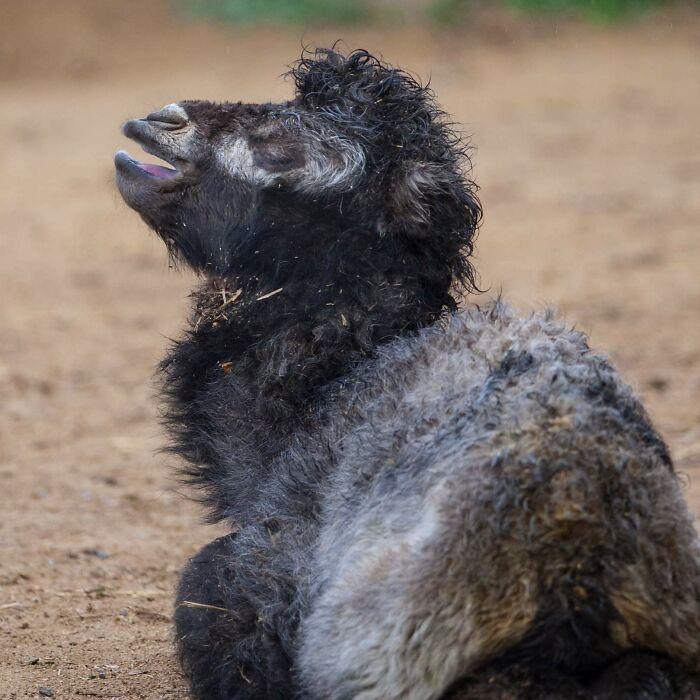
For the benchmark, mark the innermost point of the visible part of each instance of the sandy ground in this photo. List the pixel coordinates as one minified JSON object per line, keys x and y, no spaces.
{"x":589,"y":160}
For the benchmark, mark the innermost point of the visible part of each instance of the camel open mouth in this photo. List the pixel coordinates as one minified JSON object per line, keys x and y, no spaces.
{"x":155,"y":138}
{"x":128,"y":165}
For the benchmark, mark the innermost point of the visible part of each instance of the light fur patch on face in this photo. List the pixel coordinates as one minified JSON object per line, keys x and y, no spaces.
{"x":331,"y":164}
{"x":236,"y":156}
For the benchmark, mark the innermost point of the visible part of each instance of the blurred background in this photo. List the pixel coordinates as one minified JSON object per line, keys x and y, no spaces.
{"x":585,"y":115}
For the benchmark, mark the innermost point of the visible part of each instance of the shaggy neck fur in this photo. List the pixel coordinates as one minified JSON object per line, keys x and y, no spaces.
{"x":310,"y":295}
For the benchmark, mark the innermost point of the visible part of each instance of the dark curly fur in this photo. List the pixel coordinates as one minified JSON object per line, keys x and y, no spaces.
{"x":424,"y":503}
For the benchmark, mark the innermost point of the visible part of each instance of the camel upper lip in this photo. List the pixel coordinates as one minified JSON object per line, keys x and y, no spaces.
{"x":145,"y":132}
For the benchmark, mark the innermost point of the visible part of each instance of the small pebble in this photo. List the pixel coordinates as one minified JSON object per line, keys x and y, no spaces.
{"x":46,"y":692}
{"x":97,"y":552}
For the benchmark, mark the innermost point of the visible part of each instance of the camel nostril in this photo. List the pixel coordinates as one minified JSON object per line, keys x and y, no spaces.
{"x":171,"y":117}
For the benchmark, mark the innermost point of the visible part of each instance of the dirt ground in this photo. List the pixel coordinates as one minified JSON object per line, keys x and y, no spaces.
{"x":589,"y":162}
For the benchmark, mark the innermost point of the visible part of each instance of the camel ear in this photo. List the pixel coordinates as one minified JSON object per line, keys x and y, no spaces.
{"x":415,"y":192}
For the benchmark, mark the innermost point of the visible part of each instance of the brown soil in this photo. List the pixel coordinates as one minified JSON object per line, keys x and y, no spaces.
{"x":589,"y":159}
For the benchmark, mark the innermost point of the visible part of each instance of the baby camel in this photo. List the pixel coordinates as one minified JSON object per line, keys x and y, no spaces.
{"x":424,"y":502}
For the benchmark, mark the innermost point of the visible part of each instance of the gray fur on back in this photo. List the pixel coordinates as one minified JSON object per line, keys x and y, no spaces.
{"x":486,"y":468}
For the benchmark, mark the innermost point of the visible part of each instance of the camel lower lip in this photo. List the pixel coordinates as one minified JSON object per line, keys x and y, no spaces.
{"x":125,"y":163}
